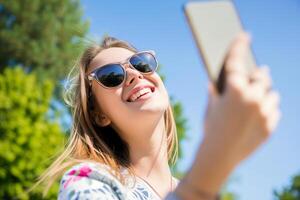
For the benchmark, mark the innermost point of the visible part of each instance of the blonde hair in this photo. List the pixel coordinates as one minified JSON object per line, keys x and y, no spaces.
{"x":89,"y":142}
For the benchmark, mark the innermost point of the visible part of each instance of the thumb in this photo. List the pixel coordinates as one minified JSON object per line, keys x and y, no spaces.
{"x":212,"y":94}
{"x":212,"y":91}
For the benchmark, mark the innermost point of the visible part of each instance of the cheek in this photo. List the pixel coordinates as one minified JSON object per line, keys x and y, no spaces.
{"x":161,"y":85}
{"x":163,"y":90}
{"x":107,"y":100}
{"x":165,"y":95}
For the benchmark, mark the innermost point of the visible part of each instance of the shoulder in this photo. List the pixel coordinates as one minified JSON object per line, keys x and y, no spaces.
{"x":90,"y":180}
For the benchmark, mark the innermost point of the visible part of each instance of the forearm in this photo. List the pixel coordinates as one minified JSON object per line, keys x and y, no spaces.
{"x":207,"y":175}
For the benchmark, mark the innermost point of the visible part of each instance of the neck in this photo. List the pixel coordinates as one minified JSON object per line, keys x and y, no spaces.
{"x":148,"y":156}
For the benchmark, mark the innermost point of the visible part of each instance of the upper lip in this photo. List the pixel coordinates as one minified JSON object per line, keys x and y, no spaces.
{"x":137,"y":88}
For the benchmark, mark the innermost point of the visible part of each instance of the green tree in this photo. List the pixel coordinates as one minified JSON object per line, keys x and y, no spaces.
{"x":28,"y":137}
{"x":291,"y":192}
{"x":181,"y":126}
{"x":41,"y":35}
{"x":45,"y":37}
{"x":226,"y":195}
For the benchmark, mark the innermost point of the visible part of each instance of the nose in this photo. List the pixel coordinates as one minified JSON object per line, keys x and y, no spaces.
{"x":131,"y":75}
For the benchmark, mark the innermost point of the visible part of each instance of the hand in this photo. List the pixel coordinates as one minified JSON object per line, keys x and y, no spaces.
{"x":246,"y":114}
{"x":236,"y":123}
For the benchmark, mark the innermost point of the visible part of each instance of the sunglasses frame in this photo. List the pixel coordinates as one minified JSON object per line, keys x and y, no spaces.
{"x":92,"y":75}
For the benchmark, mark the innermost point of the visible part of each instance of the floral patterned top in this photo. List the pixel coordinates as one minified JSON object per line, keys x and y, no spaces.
{"x":90,"y":180}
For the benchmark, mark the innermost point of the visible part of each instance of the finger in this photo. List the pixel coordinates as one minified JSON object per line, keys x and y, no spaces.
{"x":236,"y":75}
{"x":270,"y":103}
{"x":236,"y":83}
{"x":261,"y":75}
{"x":270,"y":110}
{"x":211,"y":88}
{"x":235,"y":59}
{"x":273,"y":121}
{"x":259,"y":84}
{"x":211,"y":97}
{"x":212,"y":92}
{"x":255,"y":92}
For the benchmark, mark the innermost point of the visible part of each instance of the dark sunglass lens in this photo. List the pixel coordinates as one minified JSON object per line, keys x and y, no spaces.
{"x":144,"y":62}
{"x":110,"y":75}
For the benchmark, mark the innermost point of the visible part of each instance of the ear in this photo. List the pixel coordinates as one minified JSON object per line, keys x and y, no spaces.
{"x":102,"y":120}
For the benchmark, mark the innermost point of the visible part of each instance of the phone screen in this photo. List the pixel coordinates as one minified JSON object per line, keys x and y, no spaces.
{"x":214,"y":25}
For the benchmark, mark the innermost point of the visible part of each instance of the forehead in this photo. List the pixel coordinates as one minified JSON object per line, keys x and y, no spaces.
{"x":110,"y":55}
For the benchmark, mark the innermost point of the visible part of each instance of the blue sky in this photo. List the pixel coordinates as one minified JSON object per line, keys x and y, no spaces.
{"x":275,"y":29}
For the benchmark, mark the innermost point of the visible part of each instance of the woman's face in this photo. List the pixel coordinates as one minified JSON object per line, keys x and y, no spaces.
{"x":114,"y":104}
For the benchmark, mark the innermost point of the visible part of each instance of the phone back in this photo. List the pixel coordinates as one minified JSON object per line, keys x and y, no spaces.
{"x":214,"y":25}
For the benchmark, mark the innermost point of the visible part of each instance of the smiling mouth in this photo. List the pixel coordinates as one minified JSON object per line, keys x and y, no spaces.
{"x":152,"y":90}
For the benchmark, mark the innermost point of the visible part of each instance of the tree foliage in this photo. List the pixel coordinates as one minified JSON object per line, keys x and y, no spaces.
{"x":181,"y":126}
{"x":44,"y":38}
{"x":28,"y":138}
{"x":291,"y":192}
{"x":41,"y":35}
{"x":225,"y":195}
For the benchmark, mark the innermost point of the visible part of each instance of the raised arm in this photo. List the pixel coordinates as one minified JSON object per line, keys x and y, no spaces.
{"x":236,"y":124}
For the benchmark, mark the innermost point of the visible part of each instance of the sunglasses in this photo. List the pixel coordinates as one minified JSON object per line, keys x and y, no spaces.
{"x":114,"y":74}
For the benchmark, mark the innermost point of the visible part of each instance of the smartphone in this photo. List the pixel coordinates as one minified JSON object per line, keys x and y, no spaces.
{"x":214,"y":25}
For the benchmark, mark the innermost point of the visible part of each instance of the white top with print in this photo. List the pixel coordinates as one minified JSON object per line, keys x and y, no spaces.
{"x":91,"y":180}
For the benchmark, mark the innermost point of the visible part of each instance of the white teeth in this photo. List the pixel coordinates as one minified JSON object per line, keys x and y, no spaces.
{"x":139,"y":93}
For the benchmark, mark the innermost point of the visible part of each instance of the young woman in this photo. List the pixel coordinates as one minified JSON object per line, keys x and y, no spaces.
{"x":124,"y":135}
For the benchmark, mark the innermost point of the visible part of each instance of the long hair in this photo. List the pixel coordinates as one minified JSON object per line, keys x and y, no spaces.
{"x":89,"y":142}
